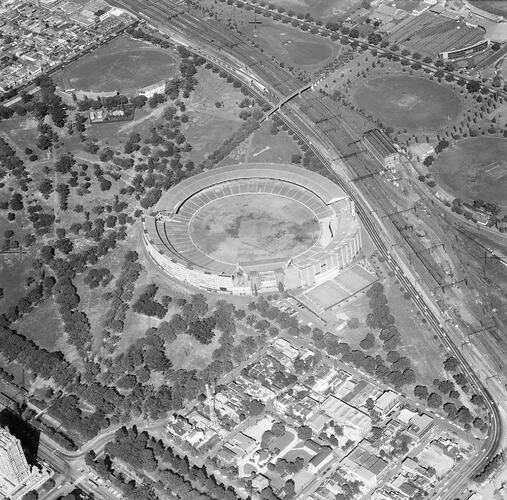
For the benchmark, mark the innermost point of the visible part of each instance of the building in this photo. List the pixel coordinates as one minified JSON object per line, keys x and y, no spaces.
{"x":14,"y":468}
{"x":259,"y":482}
{"x":465,"y":52}
{"x":386,"y":402}
{"x":16,"y":475}
{"x":335,"y":243}
{"x":320,"y":460}
{"x":357,"y":424}
{"x":381,"y":148}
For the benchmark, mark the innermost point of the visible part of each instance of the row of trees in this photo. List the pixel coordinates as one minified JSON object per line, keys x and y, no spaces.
{"x":144,"y":453}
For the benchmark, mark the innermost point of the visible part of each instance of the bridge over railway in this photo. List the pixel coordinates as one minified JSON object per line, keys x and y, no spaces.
{"x":285,"y":100}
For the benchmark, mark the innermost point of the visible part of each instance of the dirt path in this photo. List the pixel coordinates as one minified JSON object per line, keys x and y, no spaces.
{"x":155,"y":114}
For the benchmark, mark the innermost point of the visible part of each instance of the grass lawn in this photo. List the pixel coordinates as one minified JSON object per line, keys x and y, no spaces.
{"x":188,"y":353}
{"x":410,"y":102}
{"x":291,"y":45}
{"x":214,"y":114}
{"x":124,"y":64}
{"x":263,"y":146}
{"x":417,"y":342}
{"x":475,"y":168}
{"x":44,"y":327}
{"x":282,"y":442}
{"x":319,"y":9}
{"x":21,"y":132}
{"x":252,"y":227}
{"x":13,"y":272}
{"x":498,"y":7}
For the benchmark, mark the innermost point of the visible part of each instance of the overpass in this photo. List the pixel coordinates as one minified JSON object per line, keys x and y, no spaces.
{"x":285,"y":100}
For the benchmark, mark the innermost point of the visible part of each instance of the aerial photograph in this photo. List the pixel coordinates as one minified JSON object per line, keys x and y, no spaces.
{"x":253,"y":249}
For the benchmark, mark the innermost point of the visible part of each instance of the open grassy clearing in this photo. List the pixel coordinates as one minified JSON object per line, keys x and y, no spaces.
{"x":263,"y":146}
{"x":475,"y":168}
{"x":21,"y":132}
{"x":124,"y":65}
{"x":13,"y":273}
{"x":214,"y":114}
{"x":408,"y":102}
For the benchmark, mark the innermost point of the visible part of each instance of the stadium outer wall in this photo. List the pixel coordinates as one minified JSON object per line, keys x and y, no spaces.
{"x":338,"y":245}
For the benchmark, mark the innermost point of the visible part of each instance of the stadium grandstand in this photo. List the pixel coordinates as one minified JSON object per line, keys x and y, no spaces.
{"x":432,"y":34}
{"x":171,"y":240}
{"x":381,"y":148}
{"x":456,"y":55}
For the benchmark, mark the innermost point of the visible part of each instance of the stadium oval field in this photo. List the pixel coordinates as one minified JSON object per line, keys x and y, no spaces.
{"x":475,"y":168}
{"x":254,"y":227}
{"x":408,"y":102}
{"x":124,"y":65}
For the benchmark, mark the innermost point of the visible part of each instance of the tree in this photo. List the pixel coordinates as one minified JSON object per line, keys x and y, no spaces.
{"x":304,"y":432}
{"x":434,"y":400}
{"x":421,"y":391}
{"x":368,"y":342}
{"x":473,"y":86}
{"x":446,"y":386}
{"x":477,"y":400}
{"x":255,"y":407}
{"x":451,"y":364}
{"x":278,"y":429}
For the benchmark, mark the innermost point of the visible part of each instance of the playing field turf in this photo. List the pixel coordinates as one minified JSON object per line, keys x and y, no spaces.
{"x":475,"y":169}
{"x":253,"y":227}
{"x":319,"y":9}
{"x":408,"y":102}
{"x":292,"y":46}
{"x":124,"y":65}
{"x":498,"y":7}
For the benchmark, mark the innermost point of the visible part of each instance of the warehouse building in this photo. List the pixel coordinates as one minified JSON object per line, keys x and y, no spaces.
{"x":381,"y":148}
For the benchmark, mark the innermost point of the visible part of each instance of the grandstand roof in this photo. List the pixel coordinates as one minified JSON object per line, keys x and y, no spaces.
{"x":326,"y":190}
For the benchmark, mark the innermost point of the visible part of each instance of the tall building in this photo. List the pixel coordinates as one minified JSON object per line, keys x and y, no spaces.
{"x":16,"y":476}
{"x":14,"y":468}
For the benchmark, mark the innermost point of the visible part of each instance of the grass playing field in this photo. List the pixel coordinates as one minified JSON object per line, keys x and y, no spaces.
{"x":408,"y":102}
{"x":253,"y":227}
{"x":290,"y":45}
{"x":498,"y":7}
{"x":124,"y":64}
{"x":319,"y":9}
{"x":475,"y":169}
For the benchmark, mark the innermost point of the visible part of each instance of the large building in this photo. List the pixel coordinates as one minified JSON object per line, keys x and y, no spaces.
{"x":14,"y":468}
{"x":16,"y":476}
{"x":248,"y":228}
{"x":381,"y":148}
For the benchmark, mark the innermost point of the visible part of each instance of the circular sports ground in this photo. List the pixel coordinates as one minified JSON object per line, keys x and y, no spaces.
{"x":408,"y":102}
{"x":124,"y":65}
{"x":291,"y":45}
{"x":253,"y":227}
{"x":475,"y":169}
